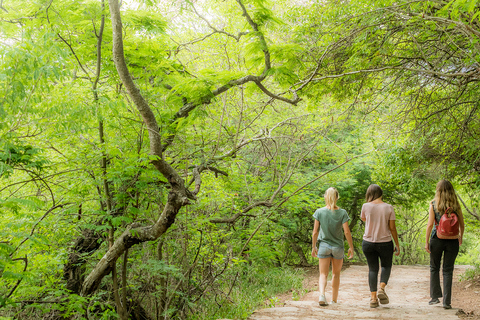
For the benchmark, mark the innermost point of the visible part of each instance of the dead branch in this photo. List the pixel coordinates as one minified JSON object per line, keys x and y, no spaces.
{"x":473,"y":213}
{"x":25,"y":260}
{"x":235,"y":217}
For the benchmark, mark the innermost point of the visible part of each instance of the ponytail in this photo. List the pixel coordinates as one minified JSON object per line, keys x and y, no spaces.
{"x":331,"y":197}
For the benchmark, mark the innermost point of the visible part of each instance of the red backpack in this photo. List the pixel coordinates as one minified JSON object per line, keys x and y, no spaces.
{"x":448,"y":226}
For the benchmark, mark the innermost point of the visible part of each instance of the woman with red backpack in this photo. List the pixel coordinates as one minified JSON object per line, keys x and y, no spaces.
{"x":446,"y":220}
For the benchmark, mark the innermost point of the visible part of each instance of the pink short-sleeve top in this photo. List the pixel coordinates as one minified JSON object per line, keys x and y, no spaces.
{"x":377,"y":220}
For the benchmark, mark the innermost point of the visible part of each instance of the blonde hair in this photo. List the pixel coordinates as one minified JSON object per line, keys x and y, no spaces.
{"x":331,"y":197}
{"x":445,"y":197}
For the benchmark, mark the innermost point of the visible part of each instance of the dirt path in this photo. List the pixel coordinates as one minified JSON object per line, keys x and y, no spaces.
{"x":408,"y":290}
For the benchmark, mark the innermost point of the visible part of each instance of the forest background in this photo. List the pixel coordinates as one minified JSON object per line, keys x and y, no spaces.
{"x":163,"y":159}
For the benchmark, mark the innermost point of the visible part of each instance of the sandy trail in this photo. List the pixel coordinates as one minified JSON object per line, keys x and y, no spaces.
{"x":408,"y":290}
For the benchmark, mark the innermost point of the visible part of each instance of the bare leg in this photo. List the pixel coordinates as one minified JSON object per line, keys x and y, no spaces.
{"x":324,"y":266}
{"x":336,"y":268}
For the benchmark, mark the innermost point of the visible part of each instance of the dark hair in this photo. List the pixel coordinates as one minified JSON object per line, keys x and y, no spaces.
{"x":373,"y":192}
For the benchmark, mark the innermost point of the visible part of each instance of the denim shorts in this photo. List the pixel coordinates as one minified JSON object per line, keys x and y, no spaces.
{"x":327,"y":251}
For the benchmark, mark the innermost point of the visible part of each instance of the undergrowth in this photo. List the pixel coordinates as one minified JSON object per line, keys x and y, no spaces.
{"x":252,"y":288}
{"x":471,"y":273}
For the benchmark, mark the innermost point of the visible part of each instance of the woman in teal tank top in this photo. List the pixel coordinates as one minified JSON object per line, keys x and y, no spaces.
{"x":327,"y":228}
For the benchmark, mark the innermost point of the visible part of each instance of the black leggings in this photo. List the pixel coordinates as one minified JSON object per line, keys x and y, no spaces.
{"x":373,"y":251}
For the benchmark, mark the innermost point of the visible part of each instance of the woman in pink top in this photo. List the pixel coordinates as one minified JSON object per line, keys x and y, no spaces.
{"x":379,"y":218}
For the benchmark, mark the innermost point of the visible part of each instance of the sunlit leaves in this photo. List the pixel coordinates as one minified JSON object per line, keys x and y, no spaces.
{"x":249,"y":145}
{"x":144,"y":21}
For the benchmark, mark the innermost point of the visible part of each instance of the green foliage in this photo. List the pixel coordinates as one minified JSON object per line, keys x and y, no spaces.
{"x":254,"y":287}
{"x":145,"y":21}
{"x":404,"y":176}
{"x":18,"y":155}
{"x":471,"y":273}
{"x":75,"y":155}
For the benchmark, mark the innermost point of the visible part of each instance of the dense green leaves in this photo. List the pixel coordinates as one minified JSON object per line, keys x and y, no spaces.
{"x":388,"y":95}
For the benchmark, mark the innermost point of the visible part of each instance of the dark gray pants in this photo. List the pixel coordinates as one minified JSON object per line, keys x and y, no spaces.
{"x":374,"y":251}
{"x":449,"y":249}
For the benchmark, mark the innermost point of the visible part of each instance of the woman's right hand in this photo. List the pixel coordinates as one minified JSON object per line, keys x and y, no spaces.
{"x":397,"y":250}
{"x":314,"y":252}
{"x":350,"y":253}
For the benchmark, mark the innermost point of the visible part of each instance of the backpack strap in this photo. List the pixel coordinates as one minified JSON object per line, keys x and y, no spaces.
{"x":437,"y":214}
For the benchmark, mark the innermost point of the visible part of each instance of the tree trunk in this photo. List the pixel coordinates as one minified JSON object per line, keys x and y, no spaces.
{"x":74,"y":269}
{"x":298,"y":250}
{"x":130,"y":237}
{"x":162,"y":297}
{"x":178,"y":196}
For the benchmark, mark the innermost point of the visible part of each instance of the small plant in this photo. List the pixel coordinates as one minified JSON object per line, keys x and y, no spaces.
{"x":295,"y":295}
{"x":471,"y":273}
{"x":273,"y":301}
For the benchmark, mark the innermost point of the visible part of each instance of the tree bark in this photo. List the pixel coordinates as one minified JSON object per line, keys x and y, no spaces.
{"x":74,"y":269}
{"x":130,"y":237}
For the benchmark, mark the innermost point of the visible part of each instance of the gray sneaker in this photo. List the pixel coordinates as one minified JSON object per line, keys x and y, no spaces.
{"x":322,"y":301}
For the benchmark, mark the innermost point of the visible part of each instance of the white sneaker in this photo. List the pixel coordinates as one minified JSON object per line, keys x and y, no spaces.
{"x":333,"y":302}
{"x":322,"y":301}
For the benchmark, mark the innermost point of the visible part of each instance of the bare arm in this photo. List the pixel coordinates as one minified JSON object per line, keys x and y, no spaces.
{"x":316,"y":227}
{"x":393,"y":230}
{"x":348,"y":235}
{"x":431,"y":220}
